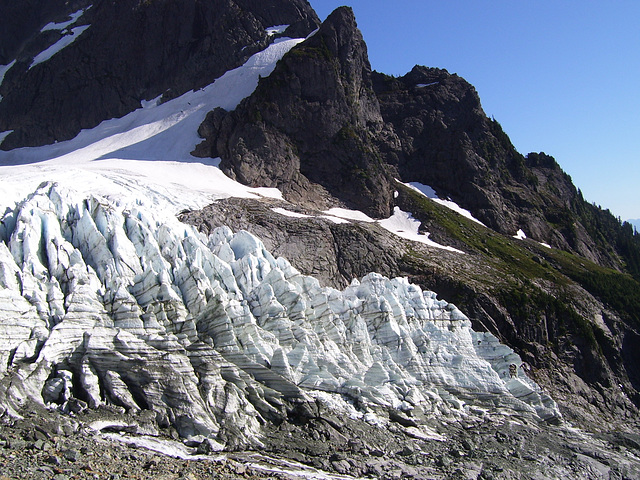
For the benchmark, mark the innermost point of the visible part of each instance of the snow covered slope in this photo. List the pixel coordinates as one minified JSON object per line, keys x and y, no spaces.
{"x":166,"y":131}
{"x":108,"y":298}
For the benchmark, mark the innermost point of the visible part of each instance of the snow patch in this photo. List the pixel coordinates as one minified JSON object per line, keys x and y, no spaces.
{"x":422,"y":85}
{"x":424,"y":433}
{"x":288,"y":213}
{"x":151,"y":103}
{"x":336,"y":220}
{"x":404,"y":225}
{"x":292,"y":469}
{"x":271,"y":31}
{"x":400,"y":223}
{"x":113,"y":159}
{"x":65,"y":41}
{"x":429,"y":192}
{"x":172,"y":186}
{"x":546,"y":245}
{"x":426,"y":190}
{"x":347,"y":214}
{"x":169,"y":448}
{"x":62,"y":25}
{"x":4,"y":135}
{"x":4,"y":69}
{"x":520,"y":235}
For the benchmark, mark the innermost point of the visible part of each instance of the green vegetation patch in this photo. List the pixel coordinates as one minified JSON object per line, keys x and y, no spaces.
{"x":532,"y":306}
{"x":317,"y":52}
{"x":507,"y":255}
{"x":514,"y":269}
{"x":620,"y":291}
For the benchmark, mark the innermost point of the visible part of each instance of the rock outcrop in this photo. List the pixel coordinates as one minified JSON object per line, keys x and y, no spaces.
{"x":311,"y":126}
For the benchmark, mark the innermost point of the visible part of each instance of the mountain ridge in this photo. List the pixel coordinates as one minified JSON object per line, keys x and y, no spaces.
{"x":331,"y":134}
{"x":171,"y":47}
{"x":500,"y":186}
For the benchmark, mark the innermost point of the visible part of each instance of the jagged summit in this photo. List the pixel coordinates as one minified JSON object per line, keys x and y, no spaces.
{"x":325,"y":84}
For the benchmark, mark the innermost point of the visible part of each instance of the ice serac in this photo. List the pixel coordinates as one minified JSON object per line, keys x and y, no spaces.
{"x":105,"y":303}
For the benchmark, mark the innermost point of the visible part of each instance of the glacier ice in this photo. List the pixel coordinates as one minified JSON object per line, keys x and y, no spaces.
{"x":104,"y":300}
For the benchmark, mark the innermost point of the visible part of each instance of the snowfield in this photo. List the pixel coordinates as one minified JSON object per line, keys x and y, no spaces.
{"x":65,"y":41}
{"x":114,"y":159}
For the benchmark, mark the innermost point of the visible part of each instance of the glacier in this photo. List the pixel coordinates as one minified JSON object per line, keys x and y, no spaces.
{"x":107,"y":299}
{"x":108,"y":303}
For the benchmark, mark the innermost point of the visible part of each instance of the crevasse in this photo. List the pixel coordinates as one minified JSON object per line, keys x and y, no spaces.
{"x":103,"y":299}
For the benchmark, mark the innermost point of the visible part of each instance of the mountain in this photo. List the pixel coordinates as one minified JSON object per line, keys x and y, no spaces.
{"x":169,"y":48}
{"x":357,"y":132}
{"x":221,"y":226}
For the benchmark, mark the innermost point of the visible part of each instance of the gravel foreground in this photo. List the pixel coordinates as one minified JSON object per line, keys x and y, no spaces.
{"x":51,"y":445}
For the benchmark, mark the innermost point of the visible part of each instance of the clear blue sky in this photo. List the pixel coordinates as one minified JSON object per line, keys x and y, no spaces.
{"x":561,"y":76}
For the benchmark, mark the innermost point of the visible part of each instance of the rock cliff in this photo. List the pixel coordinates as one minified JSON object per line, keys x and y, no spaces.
{"x":130,"y":51}
{"x":310,"y":127}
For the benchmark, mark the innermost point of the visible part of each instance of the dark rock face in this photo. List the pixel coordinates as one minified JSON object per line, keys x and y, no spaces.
{"x":442,"y":130}
{"x":22,"y":20}
{"x":132,"y":51}
{"x":449,"y":143}
{"x":311,"y":126}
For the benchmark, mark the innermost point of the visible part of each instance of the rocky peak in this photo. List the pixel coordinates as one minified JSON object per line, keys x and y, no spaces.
{"x":442,"y":130}
{"x":310,"y":127}
{"x":340,"y":36}
{"x":339,"y":51}
{"x":446,"y":141}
